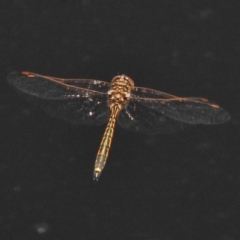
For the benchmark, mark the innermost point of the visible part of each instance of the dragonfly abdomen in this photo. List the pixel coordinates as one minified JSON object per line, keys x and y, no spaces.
{"x":105,"y":143}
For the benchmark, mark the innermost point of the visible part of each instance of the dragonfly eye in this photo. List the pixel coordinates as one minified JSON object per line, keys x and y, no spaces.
{"x":130,"y":82}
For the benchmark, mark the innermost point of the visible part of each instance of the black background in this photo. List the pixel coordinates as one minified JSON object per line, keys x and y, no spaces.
{"x":179,"y":186}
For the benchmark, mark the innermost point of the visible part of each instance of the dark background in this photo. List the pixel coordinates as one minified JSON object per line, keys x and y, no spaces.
{"x":171,"y":187}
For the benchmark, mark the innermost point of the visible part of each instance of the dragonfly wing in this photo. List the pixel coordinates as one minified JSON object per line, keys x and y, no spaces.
{"x":137,"y":117}
{"x":141,"y":92}
{"x":187,"y":110}
{"x":67,"y":102}
{"x":89,"y":84}
{"x":86,"y":111}
{"x":56,"y":88}
{"x":192,"y":111}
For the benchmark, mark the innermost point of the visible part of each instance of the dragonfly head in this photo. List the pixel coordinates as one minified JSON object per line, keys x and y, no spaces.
{"x":123,"y":80}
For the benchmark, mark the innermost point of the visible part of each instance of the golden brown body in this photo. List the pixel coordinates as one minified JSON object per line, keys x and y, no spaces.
{"x":118,"y":97}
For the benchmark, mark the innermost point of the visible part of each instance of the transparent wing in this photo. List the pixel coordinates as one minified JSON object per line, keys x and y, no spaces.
{"x":186,"y":110}
{"x":68,"y":102}
{"x":140,"y":92}
{"x":86,"y":111}
{"x":56,"y":88}
{"x":90,"y":84}
{"x":136,"y":117}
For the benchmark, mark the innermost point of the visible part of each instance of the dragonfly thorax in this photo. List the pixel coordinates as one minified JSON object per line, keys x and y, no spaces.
{"x":118,"y":97}
{"x":120,"y":90}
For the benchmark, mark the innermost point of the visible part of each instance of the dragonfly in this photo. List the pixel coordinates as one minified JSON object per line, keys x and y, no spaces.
{"x":95,"y":102}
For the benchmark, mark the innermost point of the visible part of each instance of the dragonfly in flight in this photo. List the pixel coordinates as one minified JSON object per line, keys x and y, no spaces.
{"x":95,"y":102}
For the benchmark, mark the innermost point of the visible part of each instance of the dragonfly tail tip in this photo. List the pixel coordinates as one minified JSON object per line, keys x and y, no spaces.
{"x":96,"y":176}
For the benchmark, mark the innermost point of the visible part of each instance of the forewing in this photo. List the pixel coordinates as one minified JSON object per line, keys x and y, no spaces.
{"x":56,"y":88}
{"x":90,"y":84}
{"x":140,"y":92}
{"x":68,"y":102}
{"x":186,"y":110}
